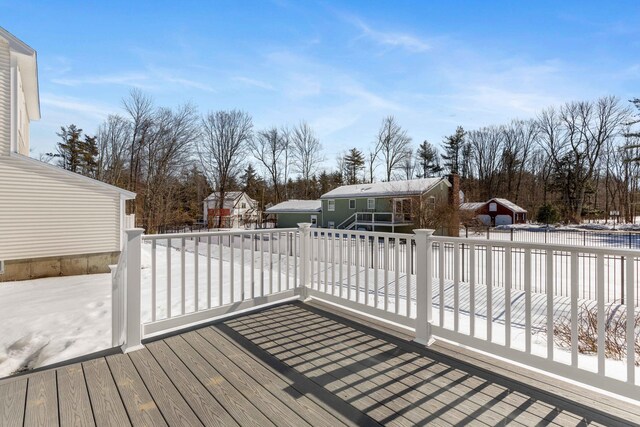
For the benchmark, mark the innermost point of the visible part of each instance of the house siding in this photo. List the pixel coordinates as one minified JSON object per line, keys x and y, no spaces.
{"x":44,"y":213}
{"x":5,"y":98}
{"x":292,"y":219}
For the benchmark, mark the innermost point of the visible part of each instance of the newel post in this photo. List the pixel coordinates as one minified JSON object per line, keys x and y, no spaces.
{"x":132,"y":321}
{"x":305,"y":259}
{"x":424,"y":286}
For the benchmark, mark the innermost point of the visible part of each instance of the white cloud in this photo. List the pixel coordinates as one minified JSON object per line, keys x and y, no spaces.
{"x":394,"y":39}
{"x":252,"y":82}
{"x":76,"y":105}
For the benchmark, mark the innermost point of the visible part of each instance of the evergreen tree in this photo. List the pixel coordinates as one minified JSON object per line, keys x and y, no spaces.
{"x":252,"y":183}
{"x":453,"y":146}
{"x":353,"y":163}
{"x":75,"y":154}
{"x":428,"y":160}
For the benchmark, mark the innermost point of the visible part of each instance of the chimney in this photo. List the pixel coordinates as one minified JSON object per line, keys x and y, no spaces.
{"x":454,"y":203}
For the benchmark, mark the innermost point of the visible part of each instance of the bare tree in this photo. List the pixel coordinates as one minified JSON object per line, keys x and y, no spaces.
{"x":306,"y":153}
{"x":394,"y":145}
{"x":225,"y":135}
{"x":140,"y":109}
{"x":112,"y":139}
{"x":486,"y":144}
{"x":573,"y":138}
{"x":270,"y":147}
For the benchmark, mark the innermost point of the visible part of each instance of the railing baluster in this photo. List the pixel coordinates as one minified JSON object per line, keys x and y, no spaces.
{"x":507,"y":295}
{"x":549,"y":285}
{"x":386,"y":273}
{"x":168,"y":278}
{"x":489,"y":286}
{"x":271,"y":263}
{"x":253,"y":265}
{"x":630,"y":303}
{"x":407,"y":269}
{"x":375,"y":250}
{"x":261,"y":265}
{"x":325,"y":239}
{"x":232,"y":284}
{"x":456,"y":286}
{"x":357,"y":265}
{"x":396,"y":266}
{"x":333,"y":263}
{"x":441,"y":253}
{"x":365,"y":260}
{"x":196,"y":257}
{"x":278,"y":234}
{"x":319,"y":254}
{"x":340,"y":261}
{"x":208,"y":272}
{"x":288,"y":255}
{"x":527,"y":300}
{"x":220,"y":288}
{"x":574,"y":309}
{"x":242,"y":266}
{"x":153,"y":280}
{"x":472,"y":289}
{"x":183,"y":284}
{"x":349,"y":260}
{"x":601,"y":314}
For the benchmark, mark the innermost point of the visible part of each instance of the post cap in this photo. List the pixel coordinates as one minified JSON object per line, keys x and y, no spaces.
{"x":304,"y":225}
{"x":424,"y":231}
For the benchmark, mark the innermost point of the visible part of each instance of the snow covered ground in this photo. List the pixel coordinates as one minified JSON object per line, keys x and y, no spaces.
{"x":45,"y":321}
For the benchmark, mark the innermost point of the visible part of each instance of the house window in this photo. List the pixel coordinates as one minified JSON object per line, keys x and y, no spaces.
{"x":493,"y":207}
{"x":243,"y":205}
{"x":352,"y":203}
{"x":371,"y":204}
{"x":432,"y":202}
{"x":331,"y":224}
{"x":331,"y":205}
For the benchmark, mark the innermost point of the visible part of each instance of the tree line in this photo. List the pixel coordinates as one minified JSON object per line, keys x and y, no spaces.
{"x":577,"y":160}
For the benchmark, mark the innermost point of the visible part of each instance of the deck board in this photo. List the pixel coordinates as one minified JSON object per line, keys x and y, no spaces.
{"x":291,"y":365}
{"x":12,"y":399}
{"x":175,"y":409}
{"x":140,"y":406}
{"x":75,"y":408}
{"x":239,"y":407}
{"x":42,"y":400}
{"x":108,"y":409}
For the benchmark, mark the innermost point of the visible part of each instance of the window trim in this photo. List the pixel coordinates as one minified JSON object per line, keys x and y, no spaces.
{"x":331,"y":205}
{"x":354,"y":203}
{"x":369,"y":200}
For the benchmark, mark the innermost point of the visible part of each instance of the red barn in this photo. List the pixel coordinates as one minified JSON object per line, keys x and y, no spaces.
{"x":497,"y":212}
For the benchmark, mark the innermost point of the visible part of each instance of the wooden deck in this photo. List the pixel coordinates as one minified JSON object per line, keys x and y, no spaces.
{"x":291,"y":365}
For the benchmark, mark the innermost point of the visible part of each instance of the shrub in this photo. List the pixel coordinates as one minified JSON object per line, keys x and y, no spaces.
{"x":547,"y":214}
{"x":615,"y":340}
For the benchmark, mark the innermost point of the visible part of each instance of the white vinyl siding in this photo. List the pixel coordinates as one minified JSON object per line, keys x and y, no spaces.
{"x":5,"y":98}
{"x":45,"y":212}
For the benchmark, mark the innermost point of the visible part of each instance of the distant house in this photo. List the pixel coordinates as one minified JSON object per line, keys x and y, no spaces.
{"x":52,"y":222}
{"x":292,"y":212}
{"x":384,"y":206}
{"x":496,"y":212}
{"x":239,"y":210}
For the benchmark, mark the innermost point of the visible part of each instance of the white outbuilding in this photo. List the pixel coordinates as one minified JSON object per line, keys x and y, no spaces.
{"x":52,"y":221}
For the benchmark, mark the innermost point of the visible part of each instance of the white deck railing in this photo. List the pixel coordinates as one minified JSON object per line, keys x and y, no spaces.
{"x":506,"y":298}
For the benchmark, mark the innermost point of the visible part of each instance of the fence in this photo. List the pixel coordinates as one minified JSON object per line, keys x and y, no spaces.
{"x":573,"y":237}
{"x":504,"y":297}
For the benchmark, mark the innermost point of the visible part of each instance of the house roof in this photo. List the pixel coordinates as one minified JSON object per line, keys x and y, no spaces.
{"x":128,"y":195}
{"x":471,"y":206}
{"x":228,"y":196}
{"x":381,"y":189}
{"x":509,"y":204}
{"x":292,"y":206}
{"x":26,"y":58}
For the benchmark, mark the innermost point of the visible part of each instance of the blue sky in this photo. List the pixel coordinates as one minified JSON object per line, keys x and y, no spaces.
{"x":340,"y":66}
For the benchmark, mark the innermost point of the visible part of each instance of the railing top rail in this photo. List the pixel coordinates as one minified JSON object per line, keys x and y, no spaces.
{"x":218,"y":233}
{"x":365,"y":233}
{"x":542,"y":246}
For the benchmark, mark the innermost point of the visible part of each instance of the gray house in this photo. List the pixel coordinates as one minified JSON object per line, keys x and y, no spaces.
{"x":382,"y":206}
{"x":292,"y":212}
